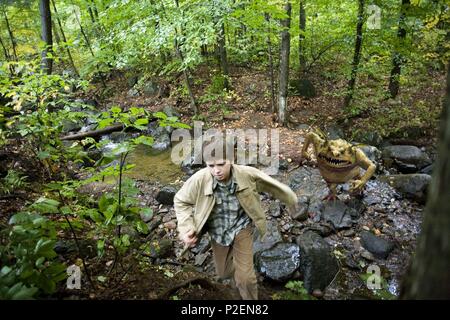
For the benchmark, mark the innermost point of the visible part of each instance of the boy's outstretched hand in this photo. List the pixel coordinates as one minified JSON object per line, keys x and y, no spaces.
{"x":189,"y":239}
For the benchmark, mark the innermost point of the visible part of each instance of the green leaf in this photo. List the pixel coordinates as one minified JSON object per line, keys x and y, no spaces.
{"x":105,"y":122}
{"x":141,"y":122}
{"x":147,"y":213}
{"x":142,"y":227}
{"x":46,"y":205}
{"x":147,"y":140}
{"x":116,"y":110}
{"x":101,"y":278}
{"x":43,"y":155}
{"x":160,"y":115}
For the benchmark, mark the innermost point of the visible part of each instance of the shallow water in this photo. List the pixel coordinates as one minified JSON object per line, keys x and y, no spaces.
{"x":153,"y":166}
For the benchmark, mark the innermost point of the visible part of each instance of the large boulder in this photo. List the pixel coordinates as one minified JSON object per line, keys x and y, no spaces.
{"x":303,"y":88}
{"x":272,"y":237}
{"x":166,"y":195}
{"x":308,"y":182}
{"x":340,"y":214}
{"x":317,"y":262}
{"x":379,"y":247}
{"x":280,"y":262}
{"x":161,"y":136}
{"x":407,"y":159}
{"x":413,"y":186}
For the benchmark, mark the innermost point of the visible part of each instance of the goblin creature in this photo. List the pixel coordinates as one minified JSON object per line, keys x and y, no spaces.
{"x":339,"y":162}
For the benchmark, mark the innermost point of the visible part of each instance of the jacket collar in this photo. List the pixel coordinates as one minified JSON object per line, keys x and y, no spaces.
{"x":236,"y":176}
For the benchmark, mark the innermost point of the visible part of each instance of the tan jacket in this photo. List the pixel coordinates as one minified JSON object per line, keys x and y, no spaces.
{"x":195,"y":200}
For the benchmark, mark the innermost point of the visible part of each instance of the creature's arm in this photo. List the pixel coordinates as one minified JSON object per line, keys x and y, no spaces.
{"x":365,"y":163}
{"x":315,"y":140}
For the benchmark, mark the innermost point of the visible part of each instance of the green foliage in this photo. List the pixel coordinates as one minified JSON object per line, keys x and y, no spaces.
{"x":382,"y":293}
{"x":29,"y":264}
{"x":14,"y":180}
{"x":295,"y":291}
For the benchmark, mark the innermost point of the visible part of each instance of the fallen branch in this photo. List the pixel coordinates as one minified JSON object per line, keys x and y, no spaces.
{"x":94,"y":133}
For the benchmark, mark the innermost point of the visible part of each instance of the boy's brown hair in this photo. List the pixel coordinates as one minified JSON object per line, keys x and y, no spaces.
{"x":218,"y":147}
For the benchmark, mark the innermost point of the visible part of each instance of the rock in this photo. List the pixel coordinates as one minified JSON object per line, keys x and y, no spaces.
{"x":146,"y":217}
{"x":95,"y":189}
{"x":166,"y":195}
{"x":71,"y":125}
{"x":373,"y":153}
{"x":273,"y":236}
{"x":427,"y":170}
{"x":283,"y":164}
{"x":379,"y":247}
{"x":172,"y":224}
{"x":171,"y":111}
{"x":301,"y":212}
{"x":133,"y":92}
{"x":317,"y":293}
{"x":200,"y":259}
{"x":407,"y":159}
{"x":280,"y":262}
{"x":202,"y":246}
{"x":321,"y":229}
{"x":161,"y":135}
{"x":348,"y":233}
{"x":150,"y":88}
{"x":88,"y":248}
{"x":367,"y":255}
{"x":317,"y":262}
{"x":160,"y":249}
{"x":338,"y":214}
{"x":156,"y":221}
{"x":132,"y":81}
{"x":413,"y":186}
{"x":275,"y":209}
{"x":302,"y":87}
{"x":369,"y":137}
{"x":334,"y":132}
{"x":378,"y":193}
{"x":307,"y":181}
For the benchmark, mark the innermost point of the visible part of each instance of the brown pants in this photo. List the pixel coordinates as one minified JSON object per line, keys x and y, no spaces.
{"x":237,"y":260}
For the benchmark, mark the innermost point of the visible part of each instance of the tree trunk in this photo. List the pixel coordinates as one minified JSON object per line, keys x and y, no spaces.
{"x":186,"y":74}
{"x":284,"y":65}
{"x":223,"y":55}
{"x":429,"y":274}
{"x":46,"y":35}
{"x":301,"y":38}
{"x":94,"y":9}
{"x":398,"y":59}
{"x":64,"y":39}
{"x":11,"y":35}
{"x":5,"y":51}
{"x":357,"y":54}
{"x":271,"y":71}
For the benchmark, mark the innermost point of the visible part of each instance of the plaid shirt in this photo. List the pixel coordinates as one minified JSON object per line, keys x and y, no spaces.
{"x":227,"y":217}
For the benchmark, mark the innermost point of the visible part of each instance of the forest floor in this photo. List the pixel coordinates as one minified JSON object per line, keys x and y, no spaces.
{"x":247,"y":106}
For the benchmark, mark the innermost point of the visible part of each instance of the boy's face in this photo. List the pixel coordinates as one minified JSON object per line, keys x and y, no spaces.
{"x":220,"y":169}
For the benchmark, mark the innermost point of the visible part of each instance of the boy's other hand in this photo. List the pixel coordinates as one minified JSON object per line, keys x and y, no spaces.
{"x":189,"y":239}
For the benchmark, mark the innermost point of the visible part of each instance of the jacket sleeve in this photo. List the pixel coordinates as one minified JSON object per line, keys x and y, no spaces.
{"x":265,"y":183}
{"x":184,"y":203}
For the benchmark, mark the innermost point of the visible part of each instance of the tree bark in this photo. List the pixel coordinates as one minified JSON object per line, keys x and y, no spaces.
{"x":223,"y":55}
{"x":301,"y":38}
{"x":397,"y":59}
{"x":46,"y":35}
{"x":357,"y":54}
{"x":429,"y":274}
{"x":5,"y":51}
{"x":186,"y":74}
{"x":11,"y":35}
{"x":284,"y":65}
{"x":271,"y":70}
{"x":63,"y":36}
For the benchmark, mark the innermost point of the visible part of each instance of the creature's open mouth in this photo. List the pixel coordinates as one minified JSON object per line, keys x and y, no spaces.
{"x":334,"y":162}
